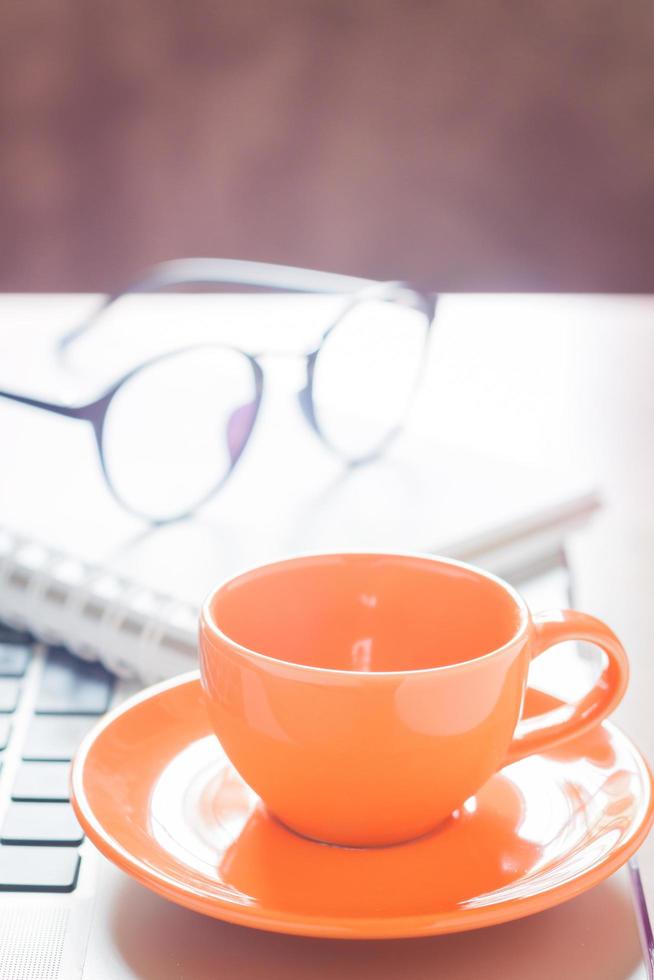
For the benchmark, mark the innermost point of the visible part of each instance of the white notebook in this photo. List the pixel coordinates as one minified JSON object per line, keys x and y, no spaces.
{"x":83,"y":574}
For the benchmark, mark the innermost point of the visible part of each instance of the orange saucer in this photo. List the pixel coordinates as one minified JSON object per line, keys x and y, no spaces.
{"x":157,"y":796}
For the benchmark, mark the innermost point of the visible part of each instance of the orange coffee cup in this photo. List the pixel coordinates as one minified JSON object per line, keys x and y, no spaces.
{"x":365,"y":697}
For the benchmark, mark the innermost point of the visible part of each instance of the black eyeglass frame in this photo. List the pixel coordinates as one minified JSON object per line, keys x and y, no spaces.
{"x":199,"y":272}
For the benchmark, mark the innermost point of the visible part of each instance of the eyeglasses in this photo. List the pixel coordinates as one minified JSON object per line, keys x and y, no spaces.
{"x":171,"y":431}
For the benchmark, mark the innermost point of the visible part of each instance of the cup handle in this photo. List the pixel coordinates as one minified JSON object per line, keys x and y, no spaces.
{"x":555,"y":627}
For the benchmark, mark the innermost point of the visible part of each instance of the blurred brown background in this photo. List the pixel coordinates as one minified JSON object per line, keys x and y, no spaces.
{"x":465,"y":145}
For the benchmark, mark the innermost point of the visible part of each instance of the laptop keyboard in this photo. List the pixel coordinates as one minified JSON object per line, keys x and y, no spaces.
{"x":39,"y":833}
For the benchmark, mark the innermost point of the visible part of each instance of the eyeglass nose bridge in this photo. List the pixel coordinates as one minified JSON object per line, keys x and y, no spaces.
{"x":305,"y":393}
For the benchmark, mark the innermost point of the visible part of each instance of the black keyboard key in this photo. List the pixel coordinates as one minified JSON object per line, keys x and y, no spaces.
{"x":41,"y":823}
{"x":54,"y":739}
{"x":38,"y":869}
{"x":14,"y":659}
{"x":45,"y":781}
{"x":5,"y":732}
{"x":8,"y":634}
{"x":9,"y":691}
{"x":70,"y":686}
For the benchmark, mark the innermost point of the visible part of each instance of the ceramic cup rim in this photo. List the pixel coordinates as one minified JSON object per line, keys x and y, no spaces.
{"x":207,"y":619}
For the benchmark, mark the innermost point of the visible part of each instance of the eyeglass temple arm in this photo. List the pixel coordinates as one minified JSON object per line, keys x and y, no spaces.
{"x":235,"y":272}
{"x":70,"y":411}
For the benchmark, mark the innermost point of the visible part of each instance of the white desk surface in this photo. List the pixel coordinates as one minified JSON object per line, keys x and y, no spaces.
{"x":557,"y":381}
